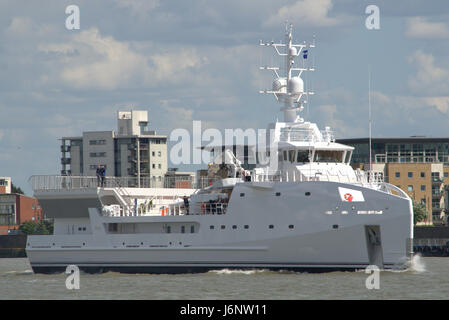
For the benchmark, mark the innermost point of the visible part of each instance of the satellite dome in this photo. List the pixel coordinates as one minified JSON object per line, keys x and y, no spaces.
{"x":296,"y":85}
{"x":280,"y":85}
{"x":293,"y":52}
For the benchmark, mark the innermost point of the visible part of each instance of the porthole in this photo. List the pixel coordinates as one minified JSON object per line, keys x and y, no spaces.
{"x":242,"y":194}
{"x":291,"y":226}
{"x":307,"y":193}
{"x":246,"y":226}
{"x":278,"y":194}
{"x":271,"y":226}
{"x":234,"y":227}
{"x":211,"y":227}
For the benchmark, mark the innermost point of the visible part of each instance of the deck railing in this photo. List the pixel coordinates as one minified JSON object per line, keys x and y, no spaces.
{"x":57,"y":182}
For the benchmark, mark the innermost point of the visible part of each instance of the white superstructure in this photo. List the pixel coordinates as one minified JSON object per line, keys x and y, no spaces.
{"x":305,"y":209}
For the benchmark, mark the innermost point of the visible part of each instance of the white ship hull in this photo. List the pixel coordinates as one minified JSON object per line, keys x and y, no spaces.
{"x":316,"y":232}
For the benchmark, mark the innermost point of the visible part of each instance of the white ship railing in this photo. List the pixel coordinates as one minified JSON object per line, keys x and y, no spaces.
{"x":57,"y":182}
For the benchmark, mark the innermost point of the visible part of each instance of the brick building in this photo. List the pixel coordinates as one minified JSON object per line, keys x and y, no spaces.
{"x":15,"y":209}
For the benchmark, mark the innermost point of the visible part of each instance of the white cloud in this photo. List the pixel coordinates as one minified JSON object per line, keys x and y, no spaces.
{"x":90,"y":60}
{"x":429,"y":78}
{"x":312,"y":13}
{"x":419,"y":27}
{"x":19,"y":26}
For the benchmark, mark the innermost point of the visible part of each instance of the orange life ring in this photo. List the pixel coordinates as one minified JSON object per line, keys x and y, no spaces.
{"x":348,"y":197}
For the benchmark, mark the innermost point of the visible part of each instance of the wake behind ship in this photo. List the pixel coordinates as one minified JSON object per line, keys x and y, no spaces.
{"x":307,"y":209}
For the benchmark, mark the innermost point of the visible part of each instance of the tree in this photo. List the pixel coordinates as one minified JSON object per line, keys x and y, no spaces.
{"x":41,"y":227}
{"x":15,"y":189}
{"x":419,"y":212}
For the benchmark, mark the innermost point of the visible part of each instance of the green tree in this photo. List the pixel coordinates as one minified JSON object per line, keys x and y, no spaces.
{"x":41,"y":227}
{"x":419,"y":212}
{"x":15,"y":189}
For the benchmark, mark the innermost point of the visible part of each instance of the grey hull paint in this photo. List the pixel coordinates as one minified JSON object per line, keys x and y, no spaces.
{"x":317,"y":239}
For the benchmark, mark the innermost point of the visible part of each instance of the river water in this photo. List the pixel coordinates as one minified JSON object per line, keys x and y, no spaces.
{"x":427,"y":279}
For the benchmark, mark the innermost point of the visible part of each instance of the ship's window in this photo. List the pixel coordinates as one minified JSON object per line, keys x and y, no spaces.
{"x":335,"y":226}
{"x":234,"y":227}
{"x":291,"y":226}
{"x":242,"y":194}
{"x":328,"y":156}
{"x":291,"y":155}
{"x":302,"y":156}
{"x":168,"y":229}
{"x":223,"y":227}
{"x":113,"y":227}
{"x":307,"y":193}
{"x":183,"y":229}
{"x":285,"y":155}
{"x":192,"y":229}
{"x":212,"y":227}
{"x":348,"y":156}
{"x":271,"y":226}
{"x":278,"y":194}
{"x":246,"y":226}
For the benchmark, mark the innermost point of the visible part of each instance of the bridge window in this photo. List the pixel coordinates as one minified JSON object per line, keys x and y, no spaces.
{"x":328,"y":156}
{"x":302,"y":156}
{"x":291,"y":155}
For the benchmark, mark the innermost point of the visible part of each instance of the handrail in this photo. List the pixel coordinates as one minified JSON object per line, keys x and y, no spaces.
{"x":62,"y":182}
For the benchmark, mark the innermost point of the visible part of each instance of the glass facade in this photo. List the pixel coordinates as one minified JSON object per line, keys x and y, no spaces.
{"x":406,"y":150}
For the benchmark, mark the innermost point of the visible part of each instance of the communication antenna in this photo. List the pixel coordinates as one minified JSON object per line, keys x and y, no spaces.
{"x":369,"y":117}
{"x":288,"y":89}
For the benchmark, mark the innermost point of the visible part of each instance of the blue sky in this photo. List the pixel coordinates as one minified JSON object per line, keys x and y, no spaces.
{"x":198,"y":60}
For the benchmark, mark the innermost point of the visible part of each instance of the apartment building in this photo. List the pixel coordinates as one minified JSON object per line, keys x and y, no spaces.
{"x":131,"y":151}
{"x":418,"y":165}
{"x":5,"y":184}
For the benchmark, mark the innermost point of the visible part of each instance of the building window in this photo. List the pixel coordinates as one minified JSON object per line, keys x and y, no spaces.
{"x":423,"y":175}
{"x":97,"y":142}
{"x":159,"y":166}
{"x":446,"y":174}
{"x":97,"y":154}
{"x":398,"y":174}
{"x":410,"y":174}
{"x":423,"y":188}
{"x":410,"y":188}
{"x":154,"y":166}
{"x":159,"y":153}
{"x":153,"y":153}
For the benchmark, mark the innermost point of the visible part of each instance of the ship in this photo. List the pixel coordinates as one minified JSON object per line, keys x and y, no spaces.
{"x":305,"y":209}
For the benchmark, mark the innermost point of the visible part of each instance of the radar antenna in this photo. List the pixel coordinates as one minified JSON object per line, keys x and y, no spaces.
{"x":289,"y":89}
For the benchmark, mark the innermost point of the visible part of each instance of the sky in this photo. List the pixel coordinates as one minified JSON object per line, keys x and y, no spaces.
{"x":199,"y":60}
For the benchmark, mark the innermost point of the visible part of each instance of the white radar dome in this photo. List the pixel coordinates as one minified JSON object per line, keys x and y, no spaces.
{"x":280,"y":85}
{"x":296,"y":85}
{"x":293,"y":52}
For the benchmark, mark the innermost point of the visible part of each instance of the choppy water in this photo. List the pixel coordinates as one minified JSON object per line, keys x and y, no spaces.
{"x":427,"y":279}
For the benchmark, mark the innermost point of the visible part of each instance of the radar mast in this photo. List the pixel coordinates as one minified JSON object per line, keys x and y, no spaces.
{"x":289,"y":89}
